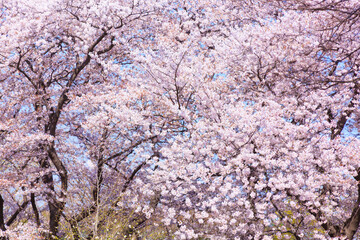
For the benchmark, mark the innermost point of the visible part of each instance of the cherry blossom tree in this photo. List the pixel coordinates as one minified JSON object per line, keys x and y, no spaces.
{"x":63,"y":50}
{"x":182,"y":119}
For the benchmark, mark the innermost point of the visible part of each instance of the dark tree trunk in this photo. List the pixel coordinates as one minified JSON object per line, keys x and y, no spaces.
{"x":2,"y":220}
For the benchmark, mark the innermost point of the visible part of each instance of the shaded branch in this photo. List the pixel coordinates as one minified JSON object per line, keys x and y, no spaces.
{"x":34,"y":207}
{"x":2,"y":221}
{"x":17,"y":212}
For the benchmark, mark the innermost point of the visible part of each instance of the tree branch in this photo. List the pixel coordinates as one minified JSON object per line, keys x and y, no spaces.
{"x":2,"y":221}
{"x":34,"y":207}
{"x":17,"y":212}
